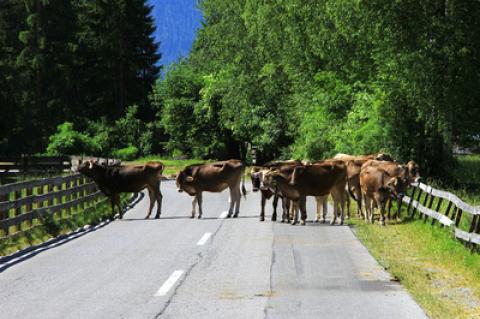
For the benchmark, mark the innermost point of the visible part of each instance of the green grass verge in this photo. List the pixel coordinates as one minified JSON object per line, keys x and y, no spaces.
{"x":62,"y":223}
{"x":441,"y":273}
{"x":172,"y":166}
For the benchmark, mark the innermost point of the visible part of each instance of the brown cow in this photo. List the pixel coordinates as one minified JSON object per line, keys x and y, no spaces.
{"x":354,"y":164}
{"x":113,"y":180}
{"x":286,"y":168}
{"x":319,"y":179}
{"x":213,"y":177}
{"x":377,"y":185}
{"x":394,"y":170}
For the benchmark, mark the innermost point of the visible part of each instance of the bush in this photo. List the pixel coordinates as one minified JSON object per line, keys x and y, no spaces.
{"x":68,"y":141}
{"x":126,"y":154}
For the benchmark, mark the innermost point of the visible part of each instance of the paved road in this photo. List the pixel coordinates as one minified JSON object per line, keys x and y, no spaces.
{"x":172,"y":268}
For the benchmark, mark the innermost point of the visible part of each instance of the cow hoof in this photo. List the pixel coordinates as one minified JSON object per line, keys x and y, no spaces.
{"x":302,"y":223}
{"x":322,"y":220}
{"x":199,"y":216}
{"x":274,"y":219}
{"x":283,"y":220}
{"x":235,"y":216}
{"x":341,"y":222}
{"x":332,"y":222}
{"x":262,"y":219}
{"x":157,"y":216}
{"x":294,"y":223}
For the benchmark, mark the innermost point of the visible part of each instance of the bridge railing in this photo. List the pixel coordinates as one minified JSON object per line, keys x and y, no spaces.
{"x":446,"y":209}
{"x":27,"y":205}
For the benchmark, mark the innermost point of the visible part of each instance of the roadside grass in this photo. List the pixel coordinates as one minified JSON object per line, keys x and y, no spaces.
{"x":172,"y":166}
{"x":441,"y":273}
{"x":62,"y":223}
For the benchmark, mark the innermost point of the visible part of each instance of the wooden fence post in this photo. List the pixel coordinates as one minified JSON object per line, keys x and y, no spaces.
{"x":4,"y":214}
{"x":29,"y":206}
{"x":458,"y":217}
{"x":18,"y":210}
{"x":437,"y":209}
{"x":418,"y":201}
{"x":411,"y":200}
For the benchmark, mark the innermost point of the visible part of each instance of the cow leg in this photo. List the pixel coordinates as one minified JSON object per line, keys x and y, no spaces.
{"x":342,"y":207}
{"x":368,"y":208}
{"x":303,"y":209}
{"x":294,"y":211}
{"x":335,"y":210}
{"x":116,"y":199}
{"x":318,"y":200}
{"x":232,"y":202}
{"x":381,"y":203}
{"x":262,"y":208}
{"x":238,"y":197}
{"x":285,"y":210}
{"x":389,"y":205}
{"x":194,"y":206}
{"x":152,"y":201}
{"x":347,"y":201}
{"x":159,"y":197}
{"x":274,"y":205}
{"x":359,"y":202}
{"x":399,"y":208}
{"x":199,"y":201}
{"x":112,"y":202}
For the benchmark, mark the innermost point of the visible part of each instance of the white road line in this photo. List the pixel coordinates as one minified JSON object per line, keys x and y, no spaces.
{"x":167,"y":285}
{"x":224,"y":214}
{"x":204,"y":239}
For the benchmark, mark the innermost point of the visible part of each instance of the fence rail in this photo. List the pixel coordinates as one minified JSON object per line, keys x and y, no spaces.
{"x":14,"y":165}
{"x":26,"y":205}
{"x":445,"y":208}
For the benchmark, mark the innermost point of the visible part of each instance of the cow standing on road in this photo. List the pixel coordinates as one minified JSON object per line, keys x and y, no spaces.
{"x":213,"y":177}
{"x":318,"y":179}
{"x":113,"y":180}
{"x":286,"y":169}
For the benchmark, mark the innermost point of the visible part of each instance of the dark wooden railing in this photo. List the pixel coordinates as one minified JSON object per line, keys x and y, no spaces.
{"x":26,"y":205}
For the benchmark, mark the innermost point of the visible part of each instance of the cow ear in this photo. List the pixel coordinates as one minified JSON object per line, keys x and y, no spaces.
{"x":189,"y":179}
{"x":90,"y":164}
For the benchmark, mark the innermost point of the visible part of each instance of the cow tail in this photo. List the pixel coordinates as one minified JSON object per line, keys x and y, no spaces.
{"x":244,"y":190}
{"x":350,"y":191}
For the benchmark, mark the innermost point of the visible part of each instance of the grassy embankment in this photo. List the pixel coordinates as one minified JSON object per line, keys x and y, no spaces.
{"x":63,"y":223}
{"x":441,"y":273}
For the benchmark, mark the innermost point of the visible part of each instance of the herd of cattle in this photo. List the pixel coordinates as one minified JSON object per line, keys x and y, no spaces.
{"x":373,"y":180}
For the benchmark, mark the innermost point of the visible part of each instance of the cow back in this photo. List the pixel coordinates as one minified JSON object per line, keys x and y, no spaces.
{"x":320,"y":178}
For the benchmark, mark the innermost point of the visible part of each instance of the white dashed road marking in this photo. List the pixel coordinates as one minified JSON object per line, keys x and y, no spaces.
{"x":167,"y":285}
{"x":224,"y":214}
{"x":204,"y":239}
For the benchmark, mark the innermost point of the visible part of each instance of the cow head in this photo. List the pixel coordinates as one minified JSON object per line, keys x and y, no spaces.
{"x":89,"y":168}
{"x":397,"y":186}
{"x":384,"y":157}
{"x":256,"y":175}
{"x":413,"y":171}
{"x":268,"y":179}
{"x":185,"y":182}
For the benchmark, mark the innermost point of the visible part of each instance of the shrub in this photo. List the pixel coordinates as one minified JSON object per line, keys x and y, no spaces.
{"x":68,"y":141}
{"x":126,"y":154}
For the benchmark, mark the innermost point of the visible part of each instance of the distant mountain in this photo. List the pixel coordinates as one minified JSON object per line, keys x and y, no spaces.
{"x":176,"y":22}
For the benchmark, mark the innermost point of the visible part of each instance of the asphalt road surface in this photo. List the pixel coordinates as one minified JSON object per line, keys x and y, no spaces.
{"x":177,"y":267}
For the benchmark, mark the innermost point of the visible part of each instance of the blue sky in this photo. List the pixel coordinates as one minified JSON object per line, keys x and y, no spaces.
{"x":176,"y":22}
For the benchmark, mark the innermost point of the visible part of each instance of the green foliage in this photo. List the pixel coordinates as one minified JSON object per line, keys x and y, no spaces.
{"x":310,"y":80}
{"x":127,"y":154}
{"x":68,"y":141}
{"x":74,"y":61}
